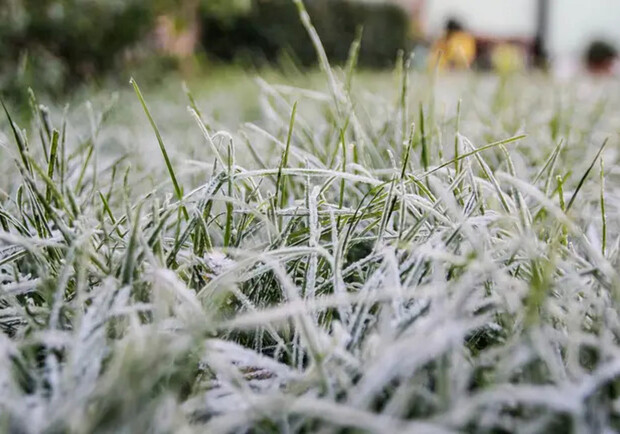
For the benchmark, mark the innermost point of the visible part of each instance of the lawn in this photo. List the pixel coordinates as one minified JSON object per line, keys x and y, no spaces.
{"x":319,"y":251}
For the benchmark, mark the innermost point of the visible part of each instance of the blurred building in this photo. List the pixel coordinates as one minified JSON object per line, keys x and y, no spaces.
{"x":566,"y":26}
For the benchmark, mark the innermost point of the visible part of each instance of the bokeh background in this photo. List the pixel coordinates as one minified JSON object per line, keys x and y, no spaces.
{"x":58,"y":46}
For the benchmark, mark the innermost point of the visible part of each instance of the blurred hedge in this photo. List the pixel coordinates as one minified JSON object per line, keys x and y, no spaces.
{"x":53,"y":44}
{"x":272,"y":27}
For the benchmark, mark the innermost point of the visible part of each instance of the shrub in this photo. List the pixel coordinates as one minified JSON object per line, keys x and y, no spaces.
{"x":60,"y":42}
{"x":272,"y":27}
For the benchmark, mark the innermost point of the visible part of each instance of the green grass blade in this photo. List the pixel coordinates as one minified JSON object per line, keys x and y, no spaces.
{"x":585,"y":176}
{"x":280,"y":185}
{"x":22,"y":146}
{"x":177,"y":188}
{"x":474,"y":152}
{"x":52,"y":161}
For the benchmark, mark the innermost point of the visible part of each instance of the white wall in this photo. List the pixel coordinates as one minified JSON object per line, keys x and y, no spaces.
{"x":492,"y":17}
{"x":573,"y":23}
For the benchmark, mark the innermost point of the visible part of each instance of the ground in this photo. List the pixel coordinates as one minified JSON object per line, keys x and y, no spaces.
{"x":314,"y":251}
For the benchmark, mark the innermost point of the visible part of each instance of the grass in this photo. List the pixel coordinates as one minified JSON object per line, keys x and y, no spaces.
{"x":370,"y":252}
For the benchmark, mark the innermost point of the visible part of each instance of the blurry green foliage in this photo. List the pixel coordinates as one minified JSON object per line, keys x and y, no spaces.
{"x":185,"y":10}
{"x":52,"y":44}
{"x":272,"y":28}
{"x":225,"y":9}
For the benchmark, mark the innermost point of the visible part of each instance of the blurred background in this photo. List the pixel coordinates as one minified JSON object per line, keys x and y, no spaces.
{"x":54,"y":46}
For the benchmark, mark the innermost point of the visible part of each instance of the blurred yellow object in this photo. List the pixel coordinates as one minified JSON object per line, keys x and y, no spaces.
{"x":507,"y":58}
{"x":453,"y":51}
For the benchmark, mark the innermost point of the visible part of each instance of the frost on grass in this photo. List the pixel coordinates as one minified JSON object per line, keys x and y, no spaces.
{"x":379,"y":262}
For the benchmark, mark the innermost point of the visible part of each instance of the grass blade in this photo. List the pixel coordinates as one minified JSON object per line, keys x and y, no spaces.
{"x":177,"y":188}
{"x":585,"y":176}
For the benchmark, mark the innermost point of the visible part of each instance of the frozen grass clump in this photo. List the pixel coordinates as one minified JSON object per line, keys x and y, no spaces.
{"x":386,"y":261}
